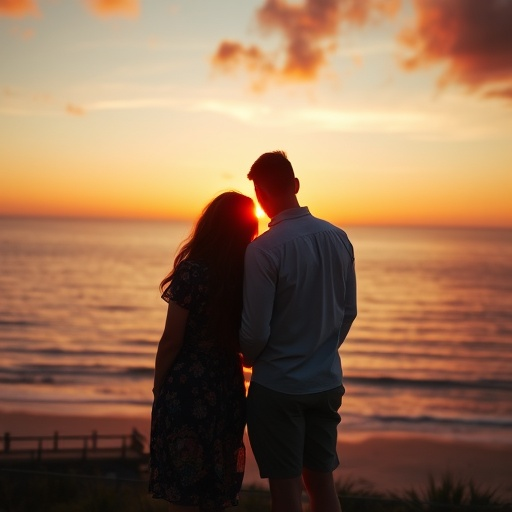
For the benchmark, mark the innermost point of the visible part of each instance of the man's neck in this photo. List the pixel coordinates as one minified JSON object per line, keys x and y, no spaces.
{"x":286,"y":203}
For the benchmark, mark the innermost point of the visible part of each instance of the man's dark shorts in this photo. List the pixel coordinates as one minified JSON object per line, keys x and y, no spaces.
{"x":290,"y":432}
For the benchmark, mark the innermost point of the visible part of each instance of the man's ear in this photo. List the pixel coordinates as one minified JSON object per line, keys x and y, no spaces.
{"x":297,"y":185}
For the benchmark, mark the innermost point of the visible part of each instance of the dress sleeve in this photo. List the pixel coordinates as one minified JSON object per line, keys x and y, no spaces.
{"x":185,"y":286}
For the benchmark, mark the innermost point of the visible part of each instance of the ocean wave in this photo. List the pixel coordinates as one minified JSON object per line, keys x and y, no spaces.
{"x":447,"y":355}
{"x":140,"y":342}
{"x":116,"y":307}
{"x":27,"y":379}
{"x":500,"y":423}
{"x":80,"y":353}
{"x":396,"y":346}
{"x":78,"y":400}
{"x":21,"y":323}
{"x":429,"y":383}
{"x":49,"y":374}
{"x":46,"y":372}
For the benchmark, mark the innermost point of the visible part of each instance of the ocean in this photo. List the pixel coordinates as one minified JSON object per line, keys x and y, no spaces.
{"x":429,"y":354}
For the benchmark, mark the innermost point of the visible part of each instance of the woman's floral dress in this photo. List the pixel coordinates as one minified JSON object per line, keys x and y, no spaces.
{"x":197,"y":455}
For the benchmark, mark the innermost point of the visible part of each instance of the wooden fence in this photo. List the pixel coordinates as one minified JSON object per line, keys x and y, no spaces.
{"x":83,"y":447}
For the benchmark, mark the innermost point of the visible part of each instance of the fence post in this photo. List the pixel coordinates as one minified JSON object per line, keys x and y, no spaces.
{"x":94,"y":439}
{"x":7,"y":442}
{"x":137,"y":441}
{"x":84,"y":452}
{"x":39,"y":449}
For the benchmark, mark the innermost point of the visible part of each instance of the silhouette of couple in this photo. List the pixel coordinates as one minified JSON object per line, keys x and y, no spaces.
{"x":281,"y":304}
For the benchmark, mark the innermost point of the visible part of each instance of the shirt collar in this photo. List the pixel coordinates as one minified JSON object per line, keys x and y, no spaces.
{"x":292,"y":213}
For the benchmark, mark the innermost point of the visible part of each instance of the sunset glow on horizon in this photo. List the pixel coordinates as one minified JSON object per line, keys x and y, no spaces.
{"x":392,"y":112}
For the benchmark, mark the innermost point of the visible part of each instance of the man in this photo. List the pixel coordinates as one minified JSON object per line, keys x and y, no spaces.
{"x":299,"y":305}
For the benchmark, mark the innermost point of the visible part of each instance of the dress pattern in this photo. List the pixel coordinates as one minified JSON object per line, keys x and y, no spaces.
{"x":197,"y":455}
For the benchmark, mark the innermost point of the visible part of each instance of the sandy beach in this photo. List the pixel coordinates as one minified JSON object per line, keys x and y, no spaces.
{"x":386,"y":463}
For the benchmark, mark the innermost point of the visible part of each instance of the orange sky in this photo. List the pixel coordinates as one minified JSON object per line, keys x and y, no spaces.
{"x":391,"y":111}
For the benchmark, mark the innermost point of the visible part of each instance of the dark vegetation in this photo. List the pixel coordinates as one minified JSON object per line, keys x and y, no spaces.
{"x":39,"y":491}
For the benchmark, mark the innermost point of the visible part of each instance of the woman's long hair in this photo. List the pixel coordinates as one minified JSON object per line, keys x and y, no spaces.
{"x":219,"y":240}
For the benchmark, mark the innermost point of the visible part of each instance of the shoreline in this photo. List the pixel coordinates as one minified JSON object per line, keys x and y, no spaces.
{"x":382,"y":462}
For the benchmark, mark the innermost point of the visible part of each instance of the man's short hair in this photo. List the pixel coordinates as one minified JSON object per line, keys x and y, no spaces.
{"x":273,"y":172}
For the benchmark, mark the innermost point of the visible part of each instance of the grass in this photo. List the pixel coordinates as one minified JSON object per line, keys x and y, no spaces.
{"x":24,"y":492}
{"x":449,"y":494}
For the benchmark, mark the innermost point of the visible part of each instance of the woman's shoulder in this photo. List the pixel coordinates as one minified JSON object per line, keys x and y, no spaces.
{"x":189,"y":280}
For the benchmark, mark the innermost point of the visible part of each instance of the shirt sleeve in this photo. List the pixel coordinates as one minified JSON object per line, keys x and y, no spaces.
{"x":350,"y":300}
{"x":351,"y":288}
{"x":260,"y":278}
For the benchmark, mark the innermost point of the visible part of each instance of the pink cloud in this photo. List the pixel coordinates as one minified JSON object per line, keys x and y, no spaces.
{"x":309,"y":31}
{"x":18,"y":8}
{"x":472,"y":38}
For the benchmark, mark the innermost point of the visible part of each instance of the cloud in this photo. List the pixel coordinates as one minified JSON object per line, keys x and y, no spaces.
{"x":74,"y":110}
{"x":115,"y":7}
{"x":503,"y":93}
{"x":7,"y":92}
{"x":18,"y":8}
{"x":472,"y":38}
{"x":231,"y":55}
{"x":20,"y":102}
{"x":136,"y":103}
{"x":361,"y":12}
{"x":309,"y":32}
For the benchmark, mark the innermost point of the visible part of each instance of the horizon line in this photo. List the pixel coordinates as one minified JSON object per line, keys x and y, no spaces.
{"x":112,"y":218}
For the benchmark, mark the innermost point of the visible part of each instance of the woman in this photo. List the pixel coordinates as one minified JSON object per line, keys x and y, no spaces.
{"x":197,"y":452}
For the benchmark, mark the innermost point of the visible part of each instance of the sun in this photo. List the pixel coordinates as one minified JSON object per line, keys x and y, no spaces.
{"x":259,"y":211}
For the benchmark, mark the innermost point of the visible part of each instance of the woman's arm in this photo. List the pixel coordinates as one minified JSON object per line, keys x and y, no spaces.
{"x":170,"y":343}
